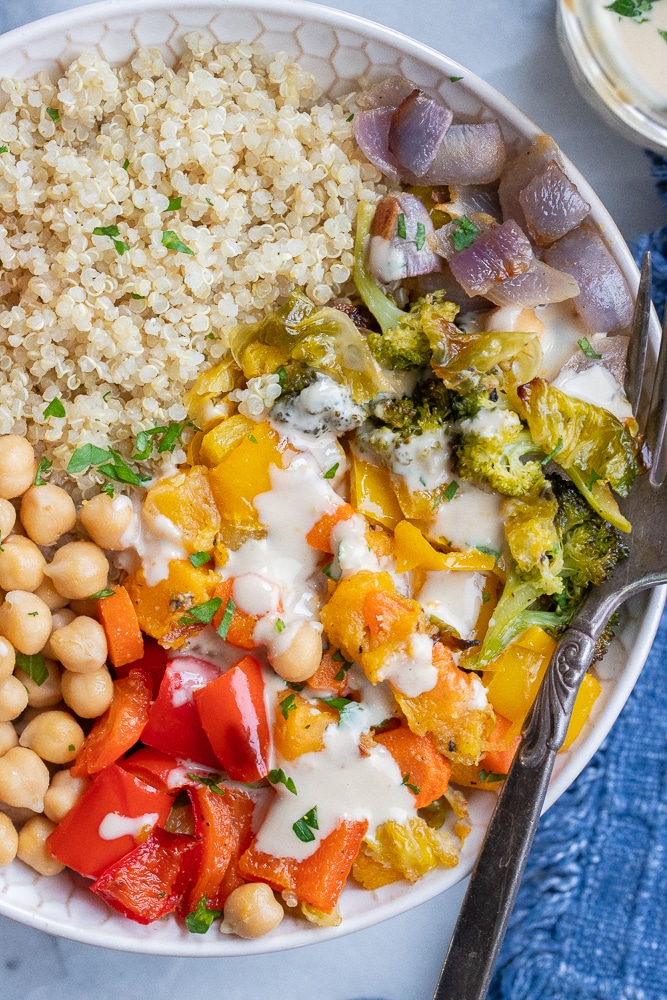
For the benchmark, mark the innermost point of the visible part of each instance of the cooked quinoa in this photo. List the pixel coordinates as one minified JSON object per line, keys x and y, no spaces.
{"x":220,"y":185}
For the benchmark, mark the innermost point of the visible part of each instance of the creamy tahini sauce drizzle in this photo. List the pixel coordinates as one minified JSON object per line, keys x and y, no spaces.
{"x":598,"y":386}
{"x":471,"y":519}
{"x":410,"y":669}
{"x":115,"y":825}
{"x":453,"y":597}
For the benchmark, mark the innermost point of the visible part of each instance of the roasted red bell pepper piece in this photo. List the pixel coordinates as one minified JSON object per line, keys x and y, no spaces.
{"x":233,"y":715}
{"x":318,"y":879}
{"x":119,"y":728}
{"x":173,"y":724}
{"x":223,"y":826}
{"x":158,"y":769}
{"x":153,"y":662}
{"x":116,"y":813}
{"x":149,"y":882}
{"x":425,"y":772}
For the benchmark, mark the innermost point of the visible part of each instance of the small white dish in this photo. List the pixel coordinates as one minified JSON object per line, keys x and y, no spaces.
{"x":338,"y":48}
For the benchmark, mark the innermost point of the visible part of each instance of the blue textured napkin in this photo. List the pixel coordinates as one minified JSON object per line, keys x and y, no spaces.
{"x":590,"y":922}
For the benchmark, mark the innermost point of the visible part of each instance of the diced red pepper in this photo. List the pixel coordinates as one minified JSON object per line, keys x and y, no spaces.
{"x":150,"y":881}
{"x":317,"y":880}
{"x":115,"y":813}
{"x":158,"y":769}
{"x":119,"y":728}
{"x":173,"y":724}
{"x":233,"y":715}
{"x":153,"y":662}
{"x":242,"y":808}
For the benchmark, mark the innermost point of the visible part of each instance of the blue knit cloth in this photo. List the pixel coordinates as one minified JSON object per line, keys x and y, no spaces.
{"x":590,"y":922}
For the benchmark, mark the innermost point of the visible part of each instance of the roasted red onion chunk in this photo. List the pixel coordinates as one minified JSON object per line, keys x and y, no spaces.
{"x":418,"y":126}
{"x":520,"y":171}
{"x":552,"y":205}
{"x":398,"y":246}
{"x":454,"y":236}
{"x":388,"y":93}
{"x":537,"y":286}
{"x":468,"y":154}
{"x":610,"y":352}
{"x":604,"y":301}
{"x":371,"y":130}
{"x":495,"y":256}
{"x":467,"y":199}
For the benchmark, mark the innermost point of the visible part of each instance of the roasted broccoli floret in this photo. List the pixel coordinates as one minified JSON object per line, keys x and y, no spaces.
{"x":427,"y":409}
{"x":402,"y":345}
{"x":495,"y":447}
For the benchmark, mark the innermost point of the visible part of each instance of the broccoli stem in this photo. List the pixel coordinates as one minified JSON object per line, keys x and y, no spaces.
{"x":513,"y":616}
{"x":385,"y":311}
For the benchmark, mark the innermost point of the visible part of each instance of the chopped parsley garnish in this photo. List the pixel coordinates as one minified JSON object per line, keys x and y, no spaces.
{"x":199,"y":558}
{"x":593,"y":479}
{"x":101,"y":594}
{"x":486,"y":597}
{"x":210,"y":780}
{"x":253,"y":439}
{"x":336,"y":702}
{"x":200,"y":920}
{"x":55,"y":409}
{"x":43,"y":469}
{"x":455,"y":79}
{"x":304,"y":827}
{"x":413,"y":788}
{"x":4,"y":149}
{"x":174,"y":204}
{"x":167,"y":438}
{"x":350,"y":117}
{"x":280,"y":625}
{"x":420,"y":235}
{"x":552,"y":454}
{"x":107,"y":462}
{"x":138,"y":297}
{"x":400,"y":227}
{"x":34,"y":666}
{"x":283,"y":377}
{"x":113,"y":233}
{"x":287,"y":705}
{"x":201,"y":614}
{"x":210,"y":336}
{"x":345,"y":665}
{"x":53,"y":114}
{"x":488,"y":551}
{"x":330,"y":473}
{"x":278,"y":777}
{"x":71,"y":748}
{"x":585,"y":345}
{"x":451,"y":491}
{"x":489,"y":776}
{"x":208,"y":201}
{"x":663,"y":35}
{"x":126,"y":163}
{"x":463,"y":233}
{"x":106,"y":395}
{"x":634,"y":9}
{"x":329,"y":574}
{"x":171,"y":241}
{"x":226,"y":620}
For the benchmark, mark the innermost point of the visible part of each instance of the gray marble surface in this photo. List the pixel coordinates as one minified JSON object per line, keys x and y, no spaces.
{"x":512,"y":44}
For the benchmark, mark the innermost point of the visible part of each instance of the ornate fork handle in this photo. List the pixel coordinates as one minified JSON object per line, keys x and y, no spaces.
{"x":495,"y":879}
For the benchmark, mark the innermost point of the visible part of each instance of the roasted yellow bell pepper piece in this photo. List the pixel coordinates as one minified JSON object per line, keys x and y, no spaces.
{"x":245,"y":473}
{"x":586,"y":697}
{"x":217,"y":443}
{"x":372,"y":493}
{"x":187,"y":501}
{"x":518,"y":671}
{"x":413,"y":550}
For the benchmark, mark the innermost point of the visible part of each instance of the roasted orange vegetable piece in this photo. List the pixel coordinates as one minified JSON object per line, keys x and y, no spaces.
{"x":161,"y":606}
{"x":242,"y":625}
{"x":217,"y":443}
{"x":343,"y":616}
{"x":448,"y":711}
{"x":425,"y":771}
{"x":319,"y":536}
{"x":403,"y":851}
{"x":244,"y":473}
{"x":331,"y":675}
{"x":317,"y":880}
{"x":299,"y":725}
{"x":390,"y":617}
{"x":187,"y":501}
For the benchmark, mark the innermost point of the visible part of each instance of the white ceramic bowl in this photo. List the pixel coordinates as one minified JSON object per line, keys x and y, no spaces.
{"x":338,"y":48}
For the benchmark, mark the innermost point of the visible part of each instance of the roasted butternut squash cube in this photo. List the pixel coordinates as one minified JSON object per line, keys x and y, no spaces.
{"x":187,"y":501}
{"x":299,"y":725}
{"x":161,"y":607}
{"x":343,"y":616}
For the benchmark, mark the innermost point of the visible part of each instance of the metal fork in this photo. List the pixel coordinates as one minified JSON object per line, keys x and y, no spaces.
{"x":495,"y":880}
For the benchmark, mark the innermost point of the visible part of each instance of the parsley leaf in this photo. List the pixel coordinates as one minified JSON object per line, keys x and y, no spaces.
{"x":34,"y":666}
{"x":304,"y":827}
{"x":464,"y":233}
{"x":400,"y":227}
{"x":349,"y":117}
{"x":451,"y":491}
{"x":634,"y":9}
{"x":85,"y":456}
{"x":330,"y":473}
{"x":420,"y":235}
{"x":210,"y":780}
{"x":101,"y":594}
{"x":43,"y":469}
{"x":174,"y":204}
{"x":280,"y":625}
{"x":552,"y":454}
{"x":490,"y":776}
{"x":55,"y":409}
{"x":226,"y":621}
{"x":4,"y":149}
{"x":287,"y":705}
{"x":53,"y":114}
{"x":199,"y":558}
{"x":202,"y":614}
{"x":413,"y":788}
{"x":171,"y":241}
{"x":455,"y":79}
{"x":336,"y":702}
{"x":200,"y":920}
{"x":487,"y":551}
{"x":585,"y":345}
{"x":278,"y":777}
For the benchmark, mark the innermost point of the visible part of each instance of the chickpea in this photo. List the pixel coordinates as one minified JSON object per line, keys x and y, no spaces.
{"x":24,"y":778}
{"x":56,"y":736}
{"x":44,"y":695}
{"x":7,"y":518}
{"x":17,"y":466}
{"x":9,"y":841}
{"x":59,"y":618}
{"x":48,"y":593}
{"x":251,"y":911}
{"x":47,"y":512}
{"x":63,"y":794}
{"x":33,"y":849}
{"x":89,"y":695}
{"x":78,"y":570}
{"x":9,"y":738}
{"x":13,"y":699}
{"x":7,"y":659}
{"x":25,"y":620}
{"x":80,"y":646}
{"x":21,"y":564}
{"x":301,"y":658}
{"x":106,"y":519}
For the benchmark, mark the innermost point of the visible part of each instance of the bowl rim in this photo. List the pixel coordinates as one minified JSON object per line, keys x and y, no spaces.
{"x":652,"y":601}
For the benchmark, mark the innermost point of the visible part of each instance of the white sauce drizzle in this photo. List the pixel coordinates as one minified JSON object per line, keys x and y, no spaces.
{"x":115,"y":825}
{"x":411,"y":669}
{"x":598,"y":386}
{"x":471,"y":519}
{"x":453,"y":597}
